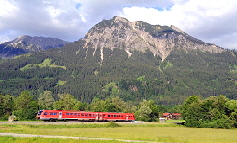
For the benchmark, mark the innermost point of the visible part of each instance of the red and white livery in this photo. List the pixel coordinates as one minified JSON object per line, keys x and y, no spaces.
{"x":64,"y":115}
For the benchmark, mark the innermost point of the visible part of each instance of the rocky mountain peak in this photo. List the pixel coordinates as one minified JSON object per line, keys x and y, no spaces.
{"x":20,"y":39}
{"x":177,"y":29}
{"x":118,"y":32}
{"x":119,"y":19}
{"x":25,"y":44}
{"x":40,"y":42}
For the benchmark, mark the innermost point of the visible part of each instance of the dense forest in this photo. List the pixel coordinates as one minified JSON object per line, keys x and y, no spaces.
{"x":141,"y":76}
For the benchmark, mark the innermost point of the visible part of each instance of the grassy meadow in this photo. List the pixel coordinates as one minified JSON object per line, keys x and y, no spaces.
{"x":153,"y":132}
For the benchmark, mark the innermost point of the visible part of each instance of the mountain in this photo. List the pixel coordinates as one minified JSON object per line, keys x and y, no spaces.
{"x":132,"y":60}
{"x":28,"y":44}
{"x":140,"y":36}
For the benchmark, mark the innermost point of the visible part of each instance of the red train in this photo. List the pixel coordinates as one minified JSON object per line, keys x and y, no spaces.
{"x":64,"y":115}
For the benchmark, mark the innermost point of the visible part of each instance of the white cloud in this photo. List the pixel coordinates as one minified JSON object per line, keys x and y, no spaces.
{"x":209,"y":20}
{"x":52,"y":18}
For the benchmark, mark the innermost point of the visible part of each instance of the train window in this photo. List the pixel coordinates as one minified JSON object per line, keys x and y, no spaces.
{"x":114,"y":115}
{"x":40,"y":112}
{"x":82,"y":114}
{"x":71,"y":113}
{"x":108,"y":115}
{"x":46,"y":113}
{"x":89,"y":115}
{"x":75,"y":114}
{"x":79,"y":114}
{"x":54,"y":113}
{"x":86,"y":115}
{"x":67,"y":113}
{"x":50,"y":113}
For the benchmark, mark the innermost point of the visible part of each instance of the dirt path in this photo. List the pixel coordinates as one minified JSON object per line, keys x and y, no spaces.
{"x":66,"y":137}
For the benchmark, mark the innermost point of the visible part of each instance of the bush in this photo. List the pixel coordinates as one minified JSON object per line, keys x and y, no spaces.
{"x":112,"y":125}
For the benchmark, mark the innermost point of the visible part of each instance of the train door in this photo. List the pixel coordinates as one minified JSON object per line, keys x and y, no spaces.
{"x":60,"y":115}
{"x":100,"y":117}
{"x":126,"y":117}
{"x":96,"y":116}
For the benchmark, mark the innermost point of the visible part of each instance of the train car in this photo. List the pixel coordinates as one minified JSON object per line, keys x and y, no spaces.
{"x":64,"y":115}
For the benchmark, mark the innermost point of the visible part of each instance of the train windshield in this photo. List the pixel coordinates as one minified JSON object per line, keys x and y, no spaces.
{"x":39,"y":113}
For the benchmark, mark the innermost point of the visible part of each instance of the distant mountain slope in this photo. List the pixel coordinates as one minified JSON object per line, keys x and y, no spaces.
{"x":26,"y":44}
{"x":133,"y":60}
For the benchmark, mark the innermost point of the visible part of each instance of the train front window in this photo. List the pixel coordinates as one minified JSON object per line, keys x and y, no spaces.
{"x":45,"y":113}
{"x":39,"y":113}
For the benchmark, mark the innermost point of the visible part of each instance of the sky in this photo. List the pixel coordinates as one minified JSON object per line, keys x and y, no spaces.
{"x":212,"y":21}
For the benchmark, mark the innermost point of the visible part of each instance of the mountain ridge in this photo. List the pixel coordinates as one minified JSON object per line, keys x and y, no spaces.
{"x":27,"y":44}
{"x":118,"y":32}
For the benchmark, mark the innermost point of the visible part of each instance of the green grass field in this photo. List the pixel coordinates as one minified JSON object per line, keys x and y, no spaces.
{"x":9,"y":139}
{"x":45,"y":63}
{"x":154,"y":132}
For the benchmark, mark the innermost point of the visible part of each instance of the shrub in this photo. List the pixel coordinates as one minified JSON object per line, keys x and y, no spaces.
{"x":112,"y":125}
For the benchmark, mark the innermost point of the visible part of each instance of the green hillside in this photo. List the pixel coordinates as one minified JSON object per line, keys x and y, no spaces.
{"x":141,"y":76}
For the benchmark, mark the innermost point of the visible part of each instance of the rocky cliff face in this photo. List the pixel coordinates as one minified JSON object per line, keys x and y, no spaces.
{"x":25,"y":44}
{"x":118,"y":32}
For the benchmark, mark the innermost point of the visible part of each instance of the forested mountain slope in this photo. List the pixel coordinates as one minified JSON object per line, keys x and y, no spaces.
{"x":133,"y":60}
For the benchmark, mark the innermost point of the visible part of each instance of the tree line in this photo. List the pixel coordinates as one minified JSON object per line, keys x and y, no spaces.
{"x":211,"y":112}
{"x":25,"y":107}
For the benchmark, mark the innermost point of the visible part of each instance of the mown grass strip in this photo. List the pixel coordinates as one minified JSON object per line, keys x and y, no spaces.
{"x":10,"y":139}
{"x":92,"y":125}
{"x":82,"y":125}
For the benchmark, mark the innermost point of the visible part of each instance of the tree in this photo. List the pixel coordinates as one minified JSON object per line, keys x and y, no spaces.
{"x":121,"y":105}
{"x":98,"y":105}
{"x":143,"y":113}
{"x":25,"y":107}
{"x":46,"y":100}
{"x":212,"y":112}
{"x":8,"y":104}
{"x":232,"y":111}
{"x":68,"y":102}
{"x":2,"y":108}
{"x":148,"y":111}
